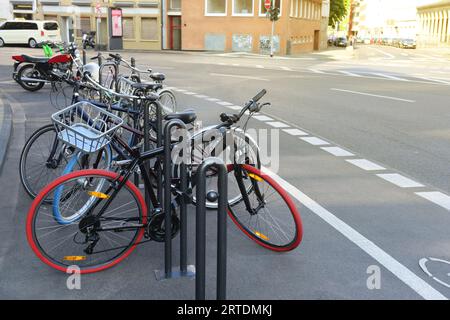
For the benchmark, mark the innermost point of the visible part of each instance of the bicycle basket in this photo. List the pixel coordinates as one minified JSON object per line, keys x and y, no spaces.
{"x":85,"y":126}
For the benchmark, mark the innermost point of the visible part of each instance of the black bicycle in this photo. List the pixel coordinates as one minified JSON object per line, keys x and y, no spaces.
{"x":117,"y":219}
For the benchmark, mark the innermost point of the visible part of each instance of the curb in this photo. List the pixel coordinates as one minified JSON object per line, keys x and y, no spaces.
{"x":5,"y":129}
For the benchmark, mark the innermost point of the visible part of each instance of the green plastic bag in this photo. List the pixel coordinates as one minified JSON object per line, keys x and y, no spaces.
{"x":48,"y":52}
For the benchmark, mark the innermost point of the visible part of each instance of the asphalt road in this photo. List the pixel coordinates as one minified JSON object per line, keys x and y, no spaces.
{"x":367,"y":165}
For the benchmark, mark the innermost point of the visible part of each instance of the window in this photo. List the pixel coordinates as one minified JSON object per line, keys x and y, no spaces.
{"x":28,"y":26}
{"x":243,"y":7}
{"x":84,"y":27}
{"x":262,"y":8}
{"x":149,"y":29}
{"x":175,"y":4}
{"x":215,"y":7}
{"x":128,"y":28}
{"x":51,"y":26}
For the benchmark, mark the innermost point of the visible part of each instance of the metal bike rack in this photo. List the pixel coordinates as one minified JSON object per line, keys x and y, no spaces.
{"x":200,"y":241}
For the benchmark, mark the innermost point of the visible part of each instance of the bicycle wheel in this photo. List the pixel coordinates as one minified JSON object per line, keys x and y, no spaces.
{"x":94,"y":243}
{"x":273,"y":220}
{"x":168,"y":101}
{"x":245,"y":150}
{"x":36,"y":167}
{"x":78,"y":162}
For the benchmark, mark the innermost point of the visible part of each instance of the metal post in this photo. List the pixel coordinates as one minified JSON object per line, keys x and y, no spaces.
{"x":183,"y":218}
{"x":147,"y":148}
{"x":200,"y":243}
{"x":167,"y":204}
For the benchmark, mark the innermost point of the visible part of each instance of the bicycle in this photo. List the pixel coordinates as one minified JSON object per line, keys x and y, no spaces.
{"x":117,"y":219}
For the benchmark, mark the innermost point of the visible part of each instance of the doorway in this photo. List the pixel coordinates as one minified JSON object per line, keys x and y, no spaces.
{"x":175,"y":33}
{"x":316,"y":40}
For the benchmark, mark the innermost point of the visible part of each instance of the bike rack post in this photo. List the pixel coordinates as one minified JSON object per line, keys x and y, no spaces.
{"x":183,"y":270}
{"x":200,"y":241}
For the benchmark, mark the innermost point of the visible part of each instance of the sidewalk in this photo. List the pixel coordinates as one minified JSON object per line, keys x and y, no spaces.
{"x":5,"y":128}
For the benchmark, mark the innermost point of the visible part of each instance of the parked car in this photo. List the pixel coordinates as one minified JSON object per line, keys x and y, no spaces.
{"x":29,"y":32}
{"x":407,"y":43}
{"x":395,"y":42}
{"x":340,"y":42}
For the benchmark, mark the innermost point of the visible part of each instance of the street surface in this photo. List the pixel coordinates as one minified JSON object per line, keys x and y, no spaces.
{"x":364,"y":150}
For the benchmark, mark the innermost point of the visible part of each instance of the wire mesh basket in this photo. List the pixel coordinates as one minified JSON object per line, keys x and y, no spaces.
{"x":86,"y":126}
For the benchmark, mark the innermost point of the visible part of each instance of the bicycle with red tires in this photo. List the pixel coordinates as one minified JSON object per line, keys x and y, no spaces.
{"x":117,"y":219}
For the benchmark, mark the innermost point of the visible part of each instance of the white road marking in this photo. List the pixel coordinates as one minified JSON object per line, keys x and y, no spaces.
{"x":316,"y":71}
{"x":295,"y":132}
{"x":224,"y":103}
{"x":237,"y":76}
{"x":400,"y":181}
{"x":189,"y":93}
{"x":338,"y":152}
{"x":259,"y":66}
{"x":263,"y":118}
{"x":235,"y":64}
{"x":351,"y":74}
{"x":436,"y":197}
{"x":391,"y":56}
{"x":436,"y":80}
{"x":234,"y":107}
{"x":213,"y":99}
{"x":366,"y":164}
{"x":315,"y":141}
{"x":388,"y":76}
{"x":278,"y":124}
{"x":180,"y":90}
{"x":405,"y":275}
{"x":373,"y":95}
{"x":286,"y":69}
{"x":201,"y":96}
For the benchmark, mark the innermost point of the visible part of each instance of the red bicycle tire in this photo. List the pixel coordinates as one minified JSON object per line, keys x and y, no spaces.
{"x":37,"y":201}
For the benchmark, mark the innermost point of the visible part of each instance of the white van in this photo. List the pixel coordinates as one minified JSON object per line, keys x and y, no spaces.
{"x":28,"y":32}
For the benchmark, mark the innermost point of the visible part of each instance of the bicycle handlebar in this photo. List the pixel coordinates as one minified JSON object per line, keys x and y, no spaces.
{"x":150,"y":96}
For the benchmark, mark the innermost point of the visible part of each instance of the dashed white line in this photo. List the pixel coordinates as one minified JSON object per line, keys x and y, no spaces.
{"x":338,"y":152}
{"x":315,"y":141}
{"x":286,"y":68}
{"x":436,"y":197}
{"x":224,"y":103}
{"x":201,"y":96}
{"x":388,"y":76}
{"x":234,"y":107}
{"x":263,"y":118}
{"x":420,"y":286}
{"x":278,"y":124}
{"x":366,"y":164}
{"x":436,"y":80}
{"x":316,"y":71}
{"x":238,"y":76}
{"x":400,"y":181}
{"x":189,"y":93}
{"x":259,"y":66}
{"x":213,"y":99}
{"x":373,"y":95}
{"x":351,"y":74}
{"x":295,"y":132}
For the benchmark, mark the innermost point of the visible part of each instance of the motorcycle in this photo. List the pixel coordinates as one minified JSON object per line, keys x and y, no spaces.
{"x":33,"y":72}
{"x":88,"y":40}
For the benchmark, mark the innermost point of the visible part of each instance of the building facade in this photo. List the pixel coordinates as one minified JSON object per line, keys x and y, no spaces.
{"x":141,"y":19}
{"x":433,"y":24}
{"x":242,"y":25}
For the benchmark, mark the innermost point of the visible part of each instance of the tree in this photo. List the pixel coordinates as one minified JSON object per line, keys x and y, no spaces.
{"x":338,"y":11}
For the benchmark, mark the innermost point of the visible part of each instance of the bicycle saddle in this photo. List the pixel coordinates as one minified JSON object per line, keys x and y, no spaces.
{"x":35,"y":59}
{"x":145,"y":86}
{"x":187,"y":116}
{"x":158,"y":76}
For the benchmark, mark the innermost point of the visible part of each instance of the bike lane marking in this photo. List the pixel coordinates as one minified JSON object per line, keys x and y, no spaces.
{"x":409,"y":278}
